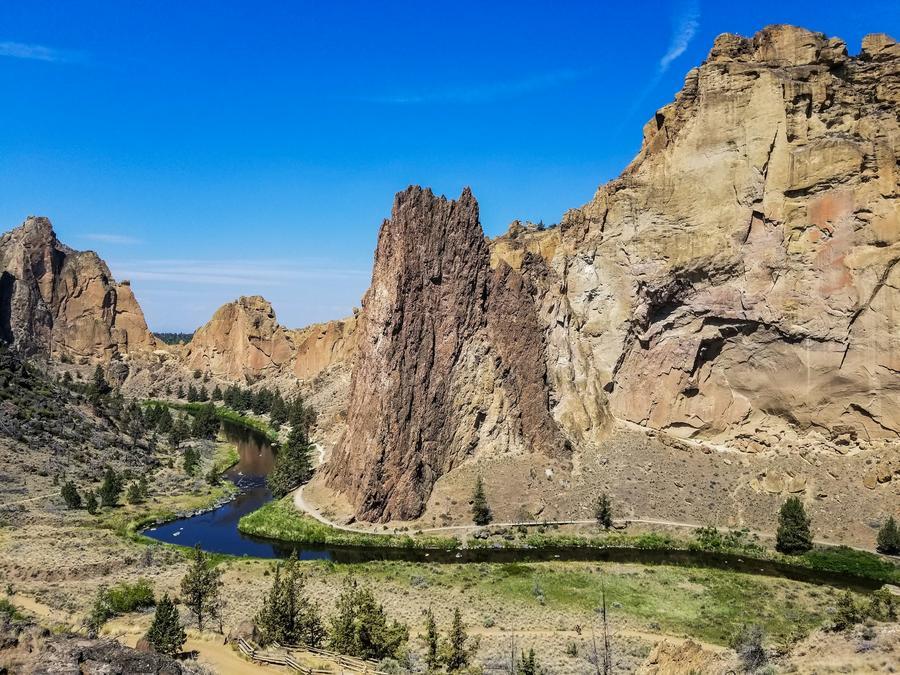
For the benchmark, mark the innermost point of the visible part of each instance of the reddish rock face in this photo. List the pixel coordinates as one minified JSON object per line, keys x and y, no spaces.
{"x":63,"y":302}
{"x":448,"y":360}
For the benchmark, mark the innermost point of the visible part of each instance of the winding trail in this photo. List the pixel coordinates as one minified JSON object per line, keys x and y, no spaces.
{"x":302,"y":505}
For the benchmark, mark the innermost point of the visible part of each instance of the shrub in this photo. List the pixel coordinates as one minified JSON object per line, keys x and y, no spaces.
{"x":748,"y":643}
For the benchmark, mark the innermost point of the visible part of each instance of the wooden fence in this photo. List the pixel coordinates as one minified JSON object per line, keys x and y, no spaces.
{"x":280,"y":655}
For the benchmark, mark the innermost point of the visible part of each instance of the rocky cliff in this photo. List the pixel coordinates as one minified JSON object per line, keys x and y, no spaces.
{"x":737,"y":283}
{"x":244,"y":341}
{"x":450,"y":359}
{"x":62,"y":302}
{"x":739,"y":280}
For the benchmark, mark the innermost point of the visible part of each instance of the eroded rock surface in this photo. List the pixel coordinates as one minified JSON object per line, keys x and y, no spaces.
{"x":61,"y":302}
{"x":449,"y":360}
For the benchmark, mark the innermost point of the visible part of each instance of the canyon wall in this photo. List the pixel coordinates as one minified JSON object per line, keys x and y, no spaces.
{"x":737,"y":283}
{"x":244,"y":341}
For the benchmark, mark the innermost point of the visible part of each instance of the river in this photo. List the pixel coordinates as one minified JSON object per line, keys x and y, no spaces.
{"x":217,"y":532}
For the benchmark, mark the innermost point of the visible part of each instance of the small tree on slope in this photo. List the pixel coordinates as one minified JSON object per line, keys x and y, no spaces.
{"x":889,"y":538}
{"x":481,"y":512}
{"x":793,"y":534}
{"x":166,"y":633}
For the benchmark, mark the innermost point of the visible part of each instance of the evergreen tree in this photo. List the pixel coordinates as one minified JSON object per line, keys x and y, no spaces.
{"x":278,"y":412}
{"x":430,"y":641}
{"x":134,"y":494}
{"x":293,"y":464}
{"x":528,"y":664}
{"x":457,"y":648}
{"x":90,"y":502}
{"x":179,"y":393}
{"x":287,"y":615}
{"x":203,"y":394}
{"x":200,"y":587}
{"x":166,"y":634}
{"x":360,"y":627}
{"x":603,"y":511}
{"x":99,"y":387}
{"x":192,"y":394}
{"x":206,"y":422}
{"x":111,"y":487}
{"x":179,"y":432}
{"x":847,"y":613}
{"x":481,"y":512}
{"x":889,"y":538}
{"x":191,"y":460}
{"x":71,"y":496}
{"x":793,"y":534}
{"x":164,"y":423}
{"x":216,"y":393}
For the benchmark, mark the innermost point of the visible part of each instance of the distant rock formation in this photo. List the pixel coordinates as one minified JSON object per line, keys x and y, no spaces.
{"x":244,"y":341}
{"x":737,"y":283}
{"x":64,"y":303}
{"x":449,"y":360}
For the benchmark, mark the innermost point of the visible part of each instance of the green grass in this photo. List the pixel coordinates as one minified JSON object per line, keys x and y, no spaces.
{"x":226,"y":457}
{"x":126,"y":520}
{"x":704,"y":603}
{"x":280,"y":520}
{"x":848,"y":561}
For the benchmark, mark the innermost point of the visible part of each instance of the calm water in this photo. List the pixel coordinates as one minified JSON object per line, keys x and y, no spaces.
{"x":216,"y":531}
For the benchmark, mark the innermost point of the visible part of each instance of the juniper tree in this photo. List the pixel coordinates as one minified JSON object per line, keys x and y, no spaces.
{"x":71,"y":496}
{"x":90,"y":502}
{"x":111,"y":487}
{"x":430,"y":641}
{"x":793,"y":534}
{"x":481,"y":512}
{"x":360,"y":627}
{"x":166,"y":633}
{"x":458,"y":648}
{"x":889,"y":537}
{"x":603,"y":511}
{"x":287,"y":615}
{"x":528,"y":664}
{"x":200,"y":587}
{"x":216,"y":393}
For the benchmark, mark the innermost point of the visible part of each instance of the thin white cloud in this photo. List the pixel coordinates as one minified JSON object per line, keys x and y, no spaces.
{"x":485,"y":92}
{"x":21,"y":50}
{"x":107,"y":238}
{"x":244,"y":274}
{"x":684,"y":31}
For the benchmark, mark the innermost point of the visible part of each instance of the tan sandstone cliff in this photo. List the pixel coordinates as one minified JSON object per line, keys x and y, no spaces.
{"x":737,"y":283}
{"x":65,"y":303}
{"x":244,"y":341}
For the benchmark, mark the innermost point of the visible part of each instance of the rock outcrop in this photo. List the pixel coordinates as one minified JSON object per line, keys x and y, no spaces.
{"x":449,"y":360}
{"x":64,"y":303}
{"x":739,"y":280}
{"x":244,"y":341}
{"x":737,"y":283}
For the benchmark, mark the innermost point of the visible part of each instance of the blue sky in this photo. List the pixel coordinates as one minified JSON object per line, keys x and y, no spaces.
{"x":212,"y":149}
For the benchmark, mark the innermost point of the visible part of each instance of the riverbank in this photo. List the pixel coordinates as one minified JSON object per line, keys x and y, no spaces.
{"x":282,"y":522}
{"x":279,"y":520}
{"x":223,"y":413}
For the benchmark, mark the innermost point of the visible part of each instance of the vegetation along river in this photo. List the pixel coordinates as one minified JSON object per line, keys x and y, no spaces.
{"x":217,"y":532}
